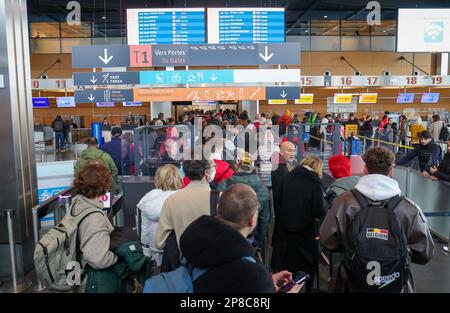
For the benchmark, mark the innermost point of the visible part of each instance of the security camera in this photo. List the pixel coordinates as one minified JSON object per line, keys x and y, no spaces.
{"x":44,"y":76}
{"x":327,"y":73}
{"x":416,"y":73}
{"x":386,"y":73}
{"x":357,"y":73}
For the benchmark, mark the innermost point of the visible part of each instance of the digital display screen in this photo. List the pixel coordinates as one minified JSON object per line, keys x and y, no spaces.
{"x":423,"y":30}
{"x":65,"y":102}
{"x":40,"y":103}
{"x":245,"y":25}
{"x":105,"y":104}
{"x":166,"y":26}
{"x":132,"y":104}
{"x":430,"y":98}
{"x":406,"y":98}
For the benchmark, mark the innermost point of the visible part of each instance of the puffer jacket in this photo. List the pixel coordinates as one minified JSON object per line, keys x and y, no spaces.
{"x":262,"y":193}
{"x":377,"y":188}
{"x":151,"y":206}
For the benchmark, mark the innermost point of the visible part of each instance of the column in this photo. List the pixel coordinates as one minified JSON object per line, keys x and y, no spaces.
{"x":18,"y":186}
{"x":251,"y":106}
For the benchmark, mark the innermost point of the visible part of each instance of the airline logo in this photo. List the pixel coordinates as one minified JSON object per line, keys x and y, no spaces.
{"x":377,"y":233}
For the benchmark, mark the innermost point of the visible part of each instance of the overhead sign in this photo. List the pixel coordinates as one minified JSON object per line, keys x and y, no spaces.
{"x":186,"y":55}
{"x":343,"y":98}
{"x":52,"y":84}
{"x":245,"y":25}
{"x":187,"y":77}
{"x":305,"y":98}
{"x":132,"y":104}
{"x":192,"y":94}
{"x":106,"y":78}
{"x":283,"y":93}
{"x":65,"y":102}
{"x":166,"y":26}
{"x":368,"y":98}
{"x":40,"y":103}
{"x":423,"y":30}
{"x":104,"y":95}
{"x":105,"y":104}
{"x":406,"y":98}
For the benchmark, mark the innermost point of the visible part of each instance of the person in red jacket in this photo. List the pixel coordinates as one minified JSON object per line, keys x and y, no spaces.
{"x":286,"y":118}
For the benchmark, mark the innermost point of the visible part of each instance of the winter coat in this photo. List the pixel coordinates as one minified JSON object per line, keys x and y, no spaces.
{"x":428,"y":156}
{"x":92,"y":153}
{"x":151,"y":205}
{"x":435,"y":130}
{"x":377,"y":188}
{"x":262,"y":193}
{"x":210,"y":243}
{"x":302,"y":203}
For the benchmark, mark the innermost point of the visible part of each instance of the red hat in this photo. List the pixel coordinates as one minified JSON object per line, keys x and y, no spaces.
{"x":339,"y":166}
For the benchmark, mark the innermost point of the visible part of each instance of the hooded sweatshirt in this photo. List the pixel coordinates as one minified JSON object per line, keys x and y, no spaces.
{"x":210,"y":243}
{"x":378,"y":187}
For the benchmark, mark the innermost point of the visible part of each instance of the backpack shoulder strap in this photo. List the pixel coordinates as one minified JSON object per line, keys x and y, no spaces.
{"x":362,"y":199}
{"x":213,"y":202}
{"x":394,"y":202}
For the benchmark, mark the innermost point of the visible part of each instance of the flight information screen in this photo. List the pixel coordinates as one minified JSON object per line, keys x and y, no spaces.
{"x":245,"y":25}
{"x":166,"y":26}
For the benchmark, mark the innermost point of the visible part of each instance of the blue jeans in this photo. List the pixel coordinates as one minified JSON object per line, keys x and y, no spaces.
{"x":59,"y":139}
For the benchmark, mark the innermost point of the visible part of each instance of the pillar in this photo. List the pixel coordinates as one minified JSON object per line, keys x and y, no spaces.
{"x":161,"y":107}
{"x":18,"y":184}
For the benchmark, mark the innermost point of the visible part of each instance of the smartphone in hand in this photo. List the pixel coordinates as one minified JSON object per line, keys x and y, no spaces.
{"x":300,"y":278}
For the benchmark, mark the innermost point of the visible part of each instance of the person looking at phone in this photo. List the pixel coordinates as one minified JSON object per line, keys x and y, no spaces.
{"x":220,"y":245}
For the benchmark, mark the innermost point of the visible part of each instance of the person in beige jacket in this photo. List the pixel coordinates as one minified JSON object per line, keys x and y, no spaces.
{"x":91,"y":182}
{"x":182,"y":208}
{"x":436,"y":127}
{"x":376,"y":185}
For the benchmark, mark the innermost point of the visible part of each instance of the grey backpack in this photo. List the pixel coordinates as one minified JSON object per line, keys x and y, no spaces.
{"x":57,"y":252}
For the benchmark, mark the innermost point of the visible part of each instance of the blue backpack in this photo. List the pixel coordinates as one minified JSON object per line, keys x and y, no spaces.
{"x":180,"y":280}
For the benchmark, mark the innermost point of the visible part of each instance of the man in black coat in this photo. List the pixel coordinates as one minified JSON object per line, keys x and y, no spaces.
{"x":286,"y":163}
{"x":442,"y":172}
{"x":220,"y":245}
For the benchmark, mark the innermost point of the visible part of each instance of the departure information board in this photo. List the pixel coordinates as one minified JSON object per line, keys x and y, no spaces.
{"x":245,"y":25}
{"x":166,"y":26}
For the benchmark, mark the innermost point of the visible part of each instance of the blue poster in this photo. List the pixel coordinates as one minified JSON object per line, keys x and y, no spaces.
{"x":97,"y":132}
{"x":46,"y":193}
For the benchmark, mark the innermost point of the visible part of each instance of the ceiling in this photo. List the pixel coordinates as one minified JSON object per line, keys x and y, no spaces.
{"x":110,"y":15}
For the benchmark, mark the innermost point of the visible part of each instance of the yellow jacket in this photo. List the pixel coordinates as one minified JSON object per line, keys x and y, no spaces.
{"x":416,"y":128}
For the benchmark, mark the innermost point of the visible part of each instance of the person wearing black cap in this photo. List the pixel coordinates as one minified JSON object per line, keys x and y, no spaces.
{"x":428,"y":152}
{"x":114,"y":148}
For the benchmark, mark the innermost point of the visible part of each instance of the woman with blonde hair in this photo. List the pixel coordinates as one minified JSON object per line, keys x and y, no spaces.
{"x":302,"y":203}
{"x":167,"y":181}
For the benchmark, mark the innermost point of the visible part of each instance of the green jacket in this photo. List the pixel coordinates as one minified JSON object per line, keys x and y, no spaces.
{"x":132,"y":264}
{"x":262,"y":193}
{"x":92,"y":153}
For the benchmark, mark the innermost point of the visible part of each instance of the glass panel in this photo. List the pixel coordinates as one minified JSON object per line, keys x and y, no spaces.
{"x":359,"y":43}
{"x":325,"y":28}
{"x":305,"y":43}
{"x":355,"y":28}
{"x":68,"y":43}
{"x":45,"y":45}
{"x":109,"y":41}
{"x":45,"y":30}
{"x":325,"y":43}
{"x":382,"y":43}
{"x":76,"y":31}
{"x":387,"y":28}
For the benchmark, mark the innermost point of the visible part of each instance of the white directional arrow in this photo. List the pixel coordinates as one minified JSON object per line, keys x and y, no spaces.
{"x":93,"y":80}
{"x":266,"y":56}
{"x":105,"y":58}
{"x":91,"y":98}
{"x":283,"y":94}
{"x":213,"y":77}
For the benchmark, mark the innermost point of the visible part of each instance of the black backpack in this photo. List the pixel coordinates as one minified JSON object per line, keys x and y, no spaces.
{"x":282,"y":128}
{"x":444,"y":134}
{"x":376,"y":256}
{"x":58,"y":126}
